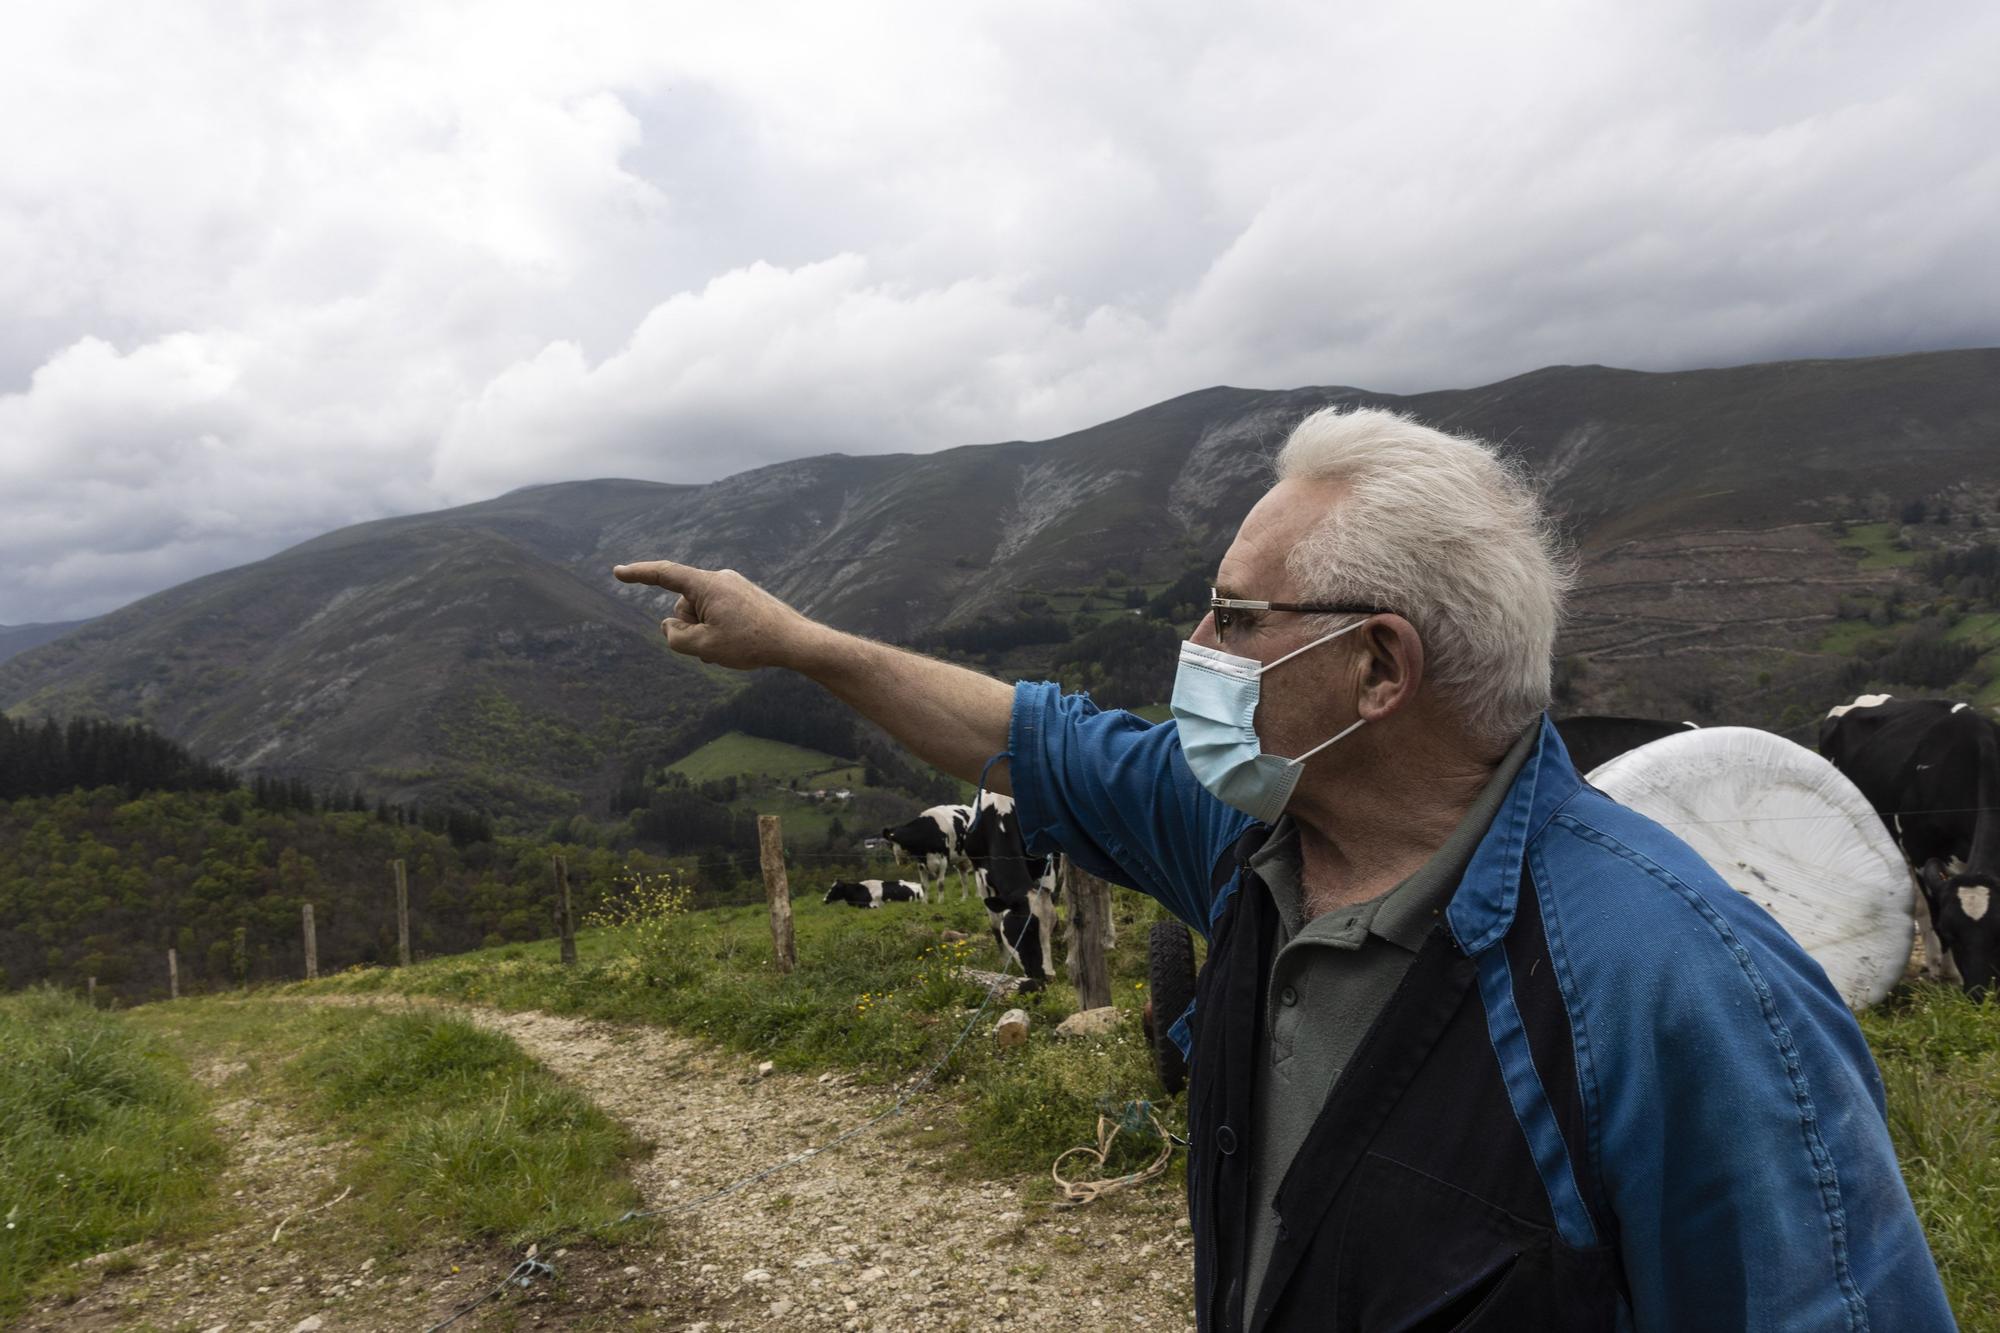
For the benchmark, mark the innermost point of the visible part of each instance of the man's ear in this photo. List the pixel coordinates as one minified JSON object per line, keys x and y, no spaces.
{"x":1392,"y":667}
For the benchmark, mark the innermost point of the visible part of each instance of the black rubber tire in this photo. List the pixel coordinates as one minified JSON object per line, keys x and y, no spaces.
{"x":1170,"y":984}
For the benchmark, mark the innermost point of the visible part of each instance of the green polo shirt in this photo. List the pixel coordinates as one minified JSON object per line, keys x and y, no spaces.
{"x":1330,"y":978}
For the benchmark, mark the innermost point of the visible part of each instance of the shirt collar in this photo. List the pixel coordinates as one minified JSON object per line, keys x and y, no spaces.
{"x":1482,"y":910}
{"x":1404,"y":915}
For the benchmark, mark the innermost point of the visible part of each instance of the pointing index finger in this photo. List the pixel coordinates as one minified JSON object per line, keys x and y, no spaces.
{"x":660,"y":573}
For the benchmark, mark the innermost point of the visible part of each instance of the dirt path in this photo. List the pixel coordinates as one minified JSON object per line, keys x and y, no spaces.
{"x":878,"y":1235}
{"x":285,"y":1255}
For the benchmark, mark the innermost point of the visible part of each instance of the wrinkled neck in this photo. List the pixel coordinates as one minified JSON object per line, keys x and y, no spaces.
{"x":1366,"y":830}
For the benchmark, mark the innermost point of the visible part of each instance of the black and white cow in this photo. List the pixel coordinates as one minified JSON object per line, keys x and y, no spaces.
{"x":1019,"y":889}
{"x":1931,"y":769}
{"x":874,"y":892}
{"x":1595,"y":740}
{"x":936,"y":840}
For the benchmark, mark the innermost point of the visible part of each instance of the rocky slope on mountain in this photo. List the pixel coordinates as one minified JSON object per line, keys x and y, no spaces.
{"x":486,"y":648}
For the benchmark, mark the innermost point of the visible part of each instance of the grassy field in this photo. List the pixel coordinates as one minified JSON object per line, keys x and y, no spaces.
{"x":1940,"y":1059}
{"x":449,"y":1131}
{"x":882,"y":994}
{"x":1980,"y":627}
{"x":104,"y":1139}
{"x":459,"y":1132}
{"x":1845,"y":637}
{"x":737,"y":755}
{"x":1874,"y":545}
{"x":876,"y":992}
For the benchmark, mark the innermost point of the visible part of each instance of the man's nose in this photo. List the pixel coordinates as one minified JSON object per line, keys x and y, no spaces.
{"x":1204,"y":633}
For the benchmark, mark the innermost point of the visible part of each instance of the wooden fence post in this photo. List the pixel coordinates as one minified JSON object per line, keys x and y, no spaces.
{"x":173,"y":975}
{"x":402,"y":913}
{"x":1089,"y":920}
{"x":312,"y":944}
{"x":565,"y":917}
{"x":90,"y":991}
{"x":777,"y":890}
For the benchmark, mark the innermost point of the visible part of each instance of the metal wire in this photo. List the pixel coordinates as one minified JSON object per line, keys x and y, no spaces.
{"x":524,"y":1273}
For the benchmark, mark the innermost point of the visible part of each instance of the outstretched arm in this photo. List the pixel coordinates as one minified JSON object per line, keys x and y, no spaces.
{"x":949,"y":716}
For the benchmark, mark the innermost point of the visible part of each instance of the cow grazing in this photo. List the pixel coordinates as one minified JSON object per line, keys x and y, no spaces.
{"x":1592,"y":741}
{"x":935,"y":840}
{"x":1019,"y":889}
{"x":1931,"y":769}
{"x":874,"y":892}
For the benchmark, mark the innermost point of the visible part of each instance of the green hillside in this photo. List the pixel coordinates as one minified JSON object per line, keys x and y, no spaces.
{"x":738,"y":755}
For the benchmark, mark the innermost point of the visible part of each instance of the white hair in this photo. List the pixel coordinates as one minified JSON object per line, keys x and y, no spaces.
{"x":1443,"y":531}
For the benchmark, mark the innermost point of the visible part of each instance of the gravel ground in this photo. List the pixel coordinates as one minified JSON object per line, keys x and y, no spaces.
{"x":881,"y":1234}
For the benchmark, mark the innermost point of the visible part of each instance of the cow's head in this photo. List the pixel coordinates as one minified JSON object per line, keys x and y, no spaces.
{"x":1965,"y":913}
{"x":845,"y":891}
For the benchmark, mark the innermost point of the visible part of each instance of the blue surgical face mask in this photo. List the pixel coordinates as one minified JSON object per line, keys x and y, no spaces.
{"x":1215,"y":703}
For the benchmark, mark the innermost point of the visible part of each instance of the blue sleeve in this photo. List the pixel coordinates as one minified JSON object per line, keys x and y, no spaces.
{"x":1113,"y":792}
{"x":1738,"y":1116}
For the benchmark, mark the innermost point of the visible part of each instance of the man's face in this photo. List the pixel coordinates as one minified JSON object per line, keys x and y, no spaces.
{"x":1312,"y":696}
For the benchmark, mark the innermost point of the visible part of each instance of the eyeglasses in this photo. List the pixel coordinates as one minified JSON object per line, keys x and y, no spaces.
{"x":1228,"y":611}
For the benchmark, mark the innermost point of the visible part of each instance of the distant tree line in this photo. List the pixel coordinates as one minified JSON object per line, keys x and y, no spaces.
{"x":96,"y":883}
{"x":1920,"y":656}
{"x":982,"y":637}
{"x":49,"y":758}
{"x":1183,"y":601}
{"x":462,"y":824}
{"x":775,"y":705}
{"x":1125,"y":662}
{"x":1972,"y":574}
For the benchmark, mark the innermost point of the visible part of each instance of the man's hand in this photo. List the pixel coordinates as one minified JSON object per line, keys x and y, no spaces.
{"x":726,"y":619}
{"x":947,"y":715}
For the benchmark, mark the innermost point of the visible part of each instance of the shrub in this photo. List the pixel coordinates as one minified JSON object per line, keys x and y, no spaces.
{"x":650,"y":910}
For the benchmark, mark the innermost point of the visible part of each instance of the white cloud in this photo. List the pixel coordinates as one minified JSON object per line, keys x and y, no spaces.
{"x":267,"y":272}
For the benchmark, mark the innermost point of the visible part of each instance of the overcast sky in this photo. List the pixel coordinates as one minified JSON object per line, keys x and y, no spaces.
{"x":270,"y":269}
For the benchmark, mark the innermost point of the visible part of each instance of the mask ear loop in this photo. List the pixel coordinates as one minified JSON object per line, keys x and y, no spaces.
{"x":1349,"y":730}
{"x":1324,"y":638}
{"x":1344,"y":732}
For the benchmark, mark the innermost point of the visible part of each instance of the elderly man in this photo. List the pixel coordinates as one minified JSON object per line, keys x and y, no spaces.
{"x":1475,"y":1046}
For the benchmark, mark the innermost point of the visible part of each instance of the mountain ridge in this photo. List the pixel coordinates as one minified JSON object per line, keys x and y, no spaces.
{"x":484,"y":648}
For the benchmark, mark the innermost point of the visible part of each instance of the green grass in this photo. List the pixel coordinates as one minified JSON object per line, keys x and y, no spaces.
{"x":1940,"y":1059}
{"x":459,"y":1133}
{"x":1845,"y":637}
{"x":1980,"y":627}
{"x":103,"y":1139}
{"x":735,"y":755}
{"x":465,"y":1131}
{"x":876,"y":992}
{"x":1874,"y":545}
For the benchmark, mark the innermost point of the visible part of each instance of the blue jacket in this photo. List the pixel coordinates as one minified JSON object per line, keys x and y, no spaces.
{"x":1729,"y":1136}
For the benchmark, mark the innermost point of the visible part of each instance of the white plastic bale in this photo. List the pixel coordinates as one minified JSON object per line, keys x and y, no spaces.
{"x":1790,"y":833}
